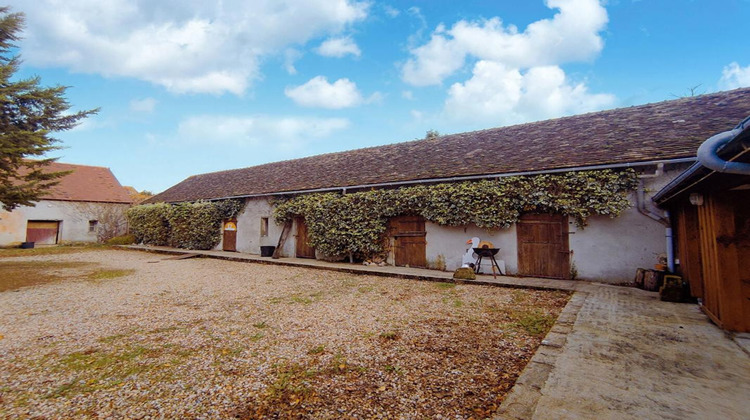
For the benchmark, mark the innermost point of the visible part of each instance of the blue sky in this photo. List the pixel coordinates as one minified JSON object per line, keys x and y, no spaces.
{"x":194,"y":86}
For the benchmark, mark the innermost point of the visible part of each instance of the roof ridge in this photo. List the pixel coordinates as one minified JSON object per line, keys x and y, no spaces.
{"x":658,"y":131}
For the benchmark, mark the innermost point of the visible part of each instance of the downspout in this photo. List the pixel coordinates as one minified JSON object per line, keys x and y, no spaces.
{"x":663,"y":219}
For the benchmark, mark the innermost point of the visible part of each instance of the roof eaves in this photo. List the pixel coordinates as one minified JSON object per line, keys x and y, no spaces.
{"x":447,"y":179}
{"x":697,"y":173}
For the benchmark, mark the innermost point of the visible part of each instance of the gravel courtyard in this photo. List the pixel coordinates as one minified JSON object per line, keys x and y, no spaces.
{"x":159,"y":337}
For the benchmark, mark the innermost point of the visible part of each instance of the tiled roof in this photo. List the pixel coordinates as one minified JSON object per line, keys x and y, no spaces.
{"x":660,"y":131}
{"x":86,"y":183}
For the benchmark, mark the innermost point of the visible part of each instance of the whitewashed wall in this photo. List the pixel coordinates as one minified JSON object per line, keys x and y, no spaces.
{"x":74,"y":220}
{"x":248,"y":229}
{"x":606,"y":250}
{"x":450,"y":243}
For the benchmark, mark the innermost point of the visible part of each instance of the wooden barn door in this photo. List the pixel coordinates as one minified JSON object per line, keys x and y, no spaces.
{"x":410,"y":244}
{"x":301,"y":245}
{"x":725,"y":247}
{"x":689,"y":247}
{"x":543,"y":246}
{"x":230,"y":236}
{"x":42,"y":232}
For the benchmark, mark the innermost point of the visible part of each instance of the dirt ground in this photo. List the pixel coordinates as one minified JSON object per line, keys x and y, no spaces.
{"x":127,"y":334}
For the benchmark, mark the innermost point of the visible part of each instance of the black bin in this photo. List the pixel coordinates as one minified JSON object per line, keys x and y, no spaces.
{"x":267,"y":251}
{"x":27,"y":245}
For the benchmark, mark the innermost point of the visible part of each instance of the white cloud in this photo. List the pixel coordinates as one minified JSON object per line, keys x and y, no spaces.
{"x":407,"y":94}
{"x":143,"y":105}
{"x":733,"y":76}
{"x":503,"y":95}
{"x":571,"y":35}
{"x":185,"y":46}
{"x":283,"y":132}
{"x":318,"y":93}
{"x":516,"y":74}
{"x":338,"y":47}
{"x":376,"y":98}
{"x":391,"y":11}
{"x":290,"y":56}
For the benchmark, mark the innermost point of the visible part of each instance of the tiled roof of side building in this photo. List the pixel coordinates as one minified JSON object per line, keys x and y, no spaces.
{"x":86,"y":183}
{"x":659,"y":131}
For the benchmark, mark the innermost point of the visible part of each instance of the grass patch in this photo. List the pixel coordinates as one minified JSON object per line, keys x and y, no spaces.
{"x":50,"y":250}
{"x":305,"y":299}
{"x":104,"y":370}
{"x":446,"y":286}
{"x":302,"y":299}
{"x":112,"y":338}
{"x":17,"y":274}
{"x":389,"y":335}
{"x":535,"y":322}
{"x":317,"y":350}
{"x":519,"y":296}
{"x":393,"y":369}
{"x":291,"y":384}
{"x":261,"y":325}
{"x":109,"y":274}
{"x":455,"y":302}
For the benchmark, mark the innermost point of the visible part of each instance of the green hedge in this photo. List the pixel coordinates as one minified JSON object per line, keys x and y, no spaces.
{"x":339,"y":225}
{"x":184,"y":225}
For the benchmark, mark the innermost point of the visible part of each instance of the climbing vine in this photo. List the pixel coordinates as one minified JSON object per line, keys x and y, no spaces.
{"x":355,"y":224}
{"x":184,"y":225}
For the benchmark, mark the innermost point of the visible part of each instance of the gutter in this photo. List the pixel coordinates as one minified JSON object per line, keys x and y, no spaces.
{"x":709,"y":149}
{"x":458,"y":178}
{"x":710,"y":163}
{"x":708,"y":158}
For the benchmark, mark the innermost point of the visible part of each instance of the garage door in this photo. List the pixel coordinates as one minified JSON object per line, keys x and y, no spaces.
{"x":43,"y":232}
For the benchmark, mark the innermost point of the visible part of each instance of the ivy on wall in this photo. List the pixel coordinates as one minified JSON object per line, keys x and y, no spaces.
{"x":184,"y":225}
{"x":355,"y":224}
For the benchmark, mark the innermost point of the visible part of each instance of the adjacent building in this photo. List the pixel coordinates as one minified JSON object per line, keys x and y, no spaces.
{"x":87,"y":205}
{"x":710,"y":208}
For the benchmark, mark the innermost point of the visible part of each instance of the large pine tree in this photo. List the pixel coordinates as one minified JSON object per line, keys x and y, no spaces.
{"x":29,"y":114}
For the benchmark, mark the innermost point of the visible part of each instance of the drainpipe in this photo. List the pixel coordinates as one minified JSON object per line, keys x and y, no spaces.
{"x":663,"y":219}
{"x":670,"y":245}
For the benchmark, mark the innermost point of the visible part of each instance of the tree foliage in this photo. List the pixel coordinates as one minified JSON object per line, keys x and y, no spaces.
{"x":184,"y":225}
{"x":339,"y":225}
{"x":29,"y":114}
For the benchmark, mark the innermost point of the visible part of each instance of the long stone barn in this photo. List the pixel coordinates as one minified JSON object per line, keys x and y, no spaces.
{"x":653,"y":143}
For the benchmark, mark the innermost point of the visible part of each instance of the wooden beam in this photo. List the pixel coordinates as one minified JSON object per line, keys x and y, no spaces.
{"x":282,"y":239}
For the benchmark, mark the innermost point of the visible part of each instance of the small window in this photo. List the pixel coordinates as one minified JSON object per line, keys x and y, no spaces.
{"x":264,"y":226}
{"x":92,"y":225}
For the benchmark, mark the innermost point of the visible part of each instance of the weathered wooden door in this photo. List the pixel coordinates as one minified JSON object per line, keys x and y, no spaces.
{"x":410,"y":243}
{"x":543,"y":246}
{"x":301,"y":245}
{"x":725,"y":247}
{"x":42,"y":232}
{"x":230,"y":235}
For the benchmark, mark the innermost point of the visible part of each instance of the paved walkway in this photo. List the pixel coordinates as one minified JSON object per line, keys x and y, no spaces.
{"x":614,"y":353}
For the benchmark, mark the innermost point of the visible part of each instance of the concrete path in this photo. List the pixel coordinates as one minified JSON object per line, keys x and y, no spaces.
{"x":628,"y":355}
{"x":614,"y":353}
